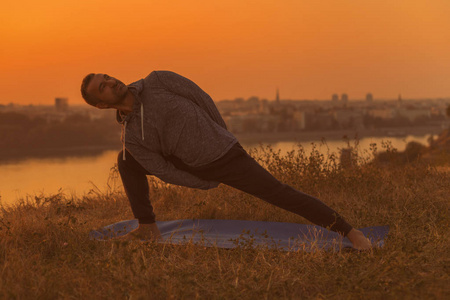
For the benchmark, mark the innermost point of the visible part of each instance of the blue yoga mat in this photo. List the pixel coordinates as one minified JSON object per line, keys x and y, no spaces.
{"x":238,"y":233}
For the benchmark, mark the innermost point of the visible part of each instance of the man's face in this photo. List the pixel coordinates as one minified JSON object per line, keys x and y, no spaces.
{"x":107,"y":89}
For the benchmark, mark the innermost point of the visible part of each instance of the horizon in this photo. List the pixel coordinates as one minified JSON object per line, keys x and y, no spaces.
{"x":245,"y":99}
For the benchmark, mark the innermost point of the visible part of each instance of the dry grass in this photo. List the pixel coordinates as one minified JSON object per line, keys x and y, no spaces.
{"x":45,"y":252}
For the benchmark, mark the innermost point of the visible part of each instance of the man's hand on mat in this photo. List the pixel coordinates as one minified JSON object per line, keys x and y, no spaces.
{"x":359,"y":241}
{"x":148,"y":232}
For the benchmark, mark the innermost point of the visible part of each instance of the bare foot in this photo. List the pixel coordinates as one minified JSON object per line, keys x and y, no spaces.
{"x":149,"y":232}
{"x":359,"y":241}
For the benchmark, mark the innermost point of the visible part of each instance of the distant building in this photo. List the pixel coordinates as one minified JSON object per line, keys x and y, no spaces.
{"x":235,"y":123}
{"x":382,"y":113}
{"x":321,"y":120}
{"x":251,"y":123}
{"x":252,"y":105}
{"x":264,"y":107}
{"x":399,"y":100}
{"x":369,"y":97}
{"x":299,"y":120}
{"x":226,"y":107}
{"x":277,"y":99}
{"x":335,"y":98}
{"x":414,"y":113}
{"x":349,"y":118}
{"x":61,"y":104}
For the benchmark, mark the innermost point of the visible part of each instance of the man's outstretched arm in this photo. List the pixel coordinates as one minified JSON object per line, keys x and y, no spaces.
{"x":186,"y":88}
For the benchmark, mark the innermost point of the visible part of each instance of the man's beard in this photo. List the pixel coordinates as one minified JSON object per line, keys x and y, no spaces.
{"x":123,"y":92}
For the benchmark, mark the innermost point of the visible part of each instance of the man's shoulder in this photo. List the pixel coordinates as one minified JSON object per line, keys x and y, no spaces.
{"x":164,"y":79}
{"x":152,"y":74}
{"x":160,"y":72}
{"x":151,"y":80}
{"x":158,"y":75}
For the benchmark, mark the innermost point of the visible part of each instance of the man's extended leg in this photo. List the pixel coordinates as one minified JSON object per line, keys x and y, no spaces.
{"x":241,"y":171}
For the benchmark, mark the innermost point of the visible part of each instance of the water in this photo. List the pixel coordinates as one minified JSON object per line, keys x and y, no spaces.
{"x":78,"y":175}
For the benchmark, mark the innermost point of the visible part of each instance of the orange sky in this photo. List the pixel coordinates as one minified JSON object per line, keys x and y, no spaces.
{"x":234,"y":48}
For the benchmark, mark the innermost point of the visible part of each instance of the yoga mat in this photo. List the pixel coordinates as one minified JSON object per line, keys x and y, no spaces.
{"x":238,"y":233}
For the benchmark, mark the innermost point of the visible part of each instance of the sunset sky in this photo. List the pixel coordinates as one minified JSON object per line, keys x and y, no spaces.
{"x":234,"y":48}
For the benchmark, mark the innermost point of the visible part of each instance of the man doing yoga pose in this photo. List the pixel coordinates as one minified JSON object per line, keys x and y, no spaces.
{"x":173,"y":130}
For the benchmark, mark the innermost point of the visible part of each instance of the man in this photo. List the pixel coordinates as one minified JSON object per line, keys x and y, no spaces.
{"x":173,"y":130}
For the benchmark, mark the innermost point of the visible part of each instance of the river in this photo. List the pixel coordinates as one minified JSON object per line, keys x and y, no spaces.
{"x":79,"y":175}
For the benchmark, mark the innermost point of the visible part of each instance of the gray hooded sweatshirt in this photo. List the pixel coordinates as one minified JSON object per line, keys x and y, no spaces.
{"x":172,"y":116}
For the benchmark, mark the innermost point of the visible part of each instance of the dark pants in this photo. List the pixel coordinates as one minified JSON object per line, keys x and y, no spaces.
{"x":239,"y":170}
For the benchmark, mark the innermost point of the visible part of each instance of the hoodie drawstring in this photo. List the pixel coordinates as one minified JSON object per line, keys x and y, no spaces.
{"x":142,"y":120}
{"x":123,"y":142}
{"x":125,"y":130}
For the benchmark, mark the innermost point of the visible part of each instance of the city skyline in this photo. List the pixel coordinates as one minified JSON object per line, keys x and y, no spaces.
{"x":309,"y":50}
{"x":276,"y":97}
{"x":351,"y":100}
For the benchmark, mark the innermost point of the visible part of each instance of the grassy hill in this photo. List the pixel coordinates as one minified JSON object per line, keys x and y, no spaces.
{"x":45,"y":252}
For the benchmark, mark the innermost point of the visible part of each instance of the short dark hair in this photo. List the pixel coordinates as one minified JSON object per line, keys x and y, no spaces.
{"x":84,"y":84}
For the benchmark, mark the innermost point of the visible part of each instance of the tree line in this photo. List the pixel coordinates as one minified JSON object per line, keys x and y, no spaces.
{"x":20,"y":131}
